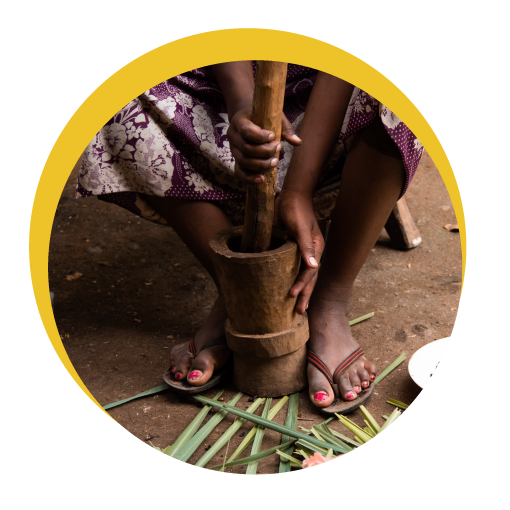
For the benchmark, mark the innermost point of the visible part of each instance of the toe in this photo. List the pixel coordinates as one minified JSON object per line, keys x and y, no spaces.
{"x":363,"y":376}
{"x":355,"y":381}
{"x":371,"y":369}
{"x":201,"y":371}
{"x":346,"y":388}
{"x":320,"y":392}
{"x":204,"y":365}
{"x":181,"y":367}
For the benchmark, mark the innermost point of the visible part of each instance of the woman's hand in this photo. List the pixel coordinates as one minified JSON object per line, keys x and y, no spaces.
{"x":255,"y":150}
{"x":294,"y":211}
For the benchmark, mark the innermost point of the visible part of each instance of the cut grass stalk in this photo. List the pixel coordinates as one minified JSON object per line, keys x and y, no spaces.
{"x":190,"y":447}
{"x":330,"y":438}
{"x":291,"y":422}
{"x":344,"y":438}
{"x":312,"y":447}
{"x":190,"y":430}
{"x":369,"y":430}
{"x":292,"y":461}
{"x":370,"y":420}
{"x":390,"y":368}
{"x":397,"y":403}
{"x":362,"y":318}
{"x":271,"y":425}
{"x":157,"y":389}
{"x":225,"y":438}
{"x":386,"y":416}
{"x":251,"y":458}
{"x":251,"y":435}
{"x":358,"y":431}
{"x":329,"y":454}
{"x":251,"y":469}
{"x":393,"y":416}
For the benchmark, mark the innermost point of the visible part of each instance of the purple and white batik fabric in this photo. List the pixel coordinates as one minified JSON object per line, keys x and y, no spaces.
{"x":171,"y":141}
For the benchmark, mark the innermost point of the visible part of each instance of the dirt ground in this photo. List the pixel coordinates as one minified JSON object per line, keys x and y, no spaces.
{"x":141,"y":292}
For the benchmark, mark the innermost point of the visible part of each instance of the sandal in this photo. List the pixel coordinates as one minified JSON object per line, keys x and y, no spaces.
{"x":339,"y":405}
{"x":183,"y":386}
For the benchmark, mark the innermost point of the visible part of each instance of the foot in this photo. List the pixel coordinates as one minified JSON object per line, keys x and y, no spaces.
{"x":199,"y":370}
{"x":331,"y":340}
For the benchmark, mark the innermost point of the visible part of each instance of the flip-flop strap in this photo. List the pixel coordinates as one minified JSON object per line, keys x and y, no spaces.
{"x":355,"y":356}
{"x":318,"y":363}
{"x":193,"y":350}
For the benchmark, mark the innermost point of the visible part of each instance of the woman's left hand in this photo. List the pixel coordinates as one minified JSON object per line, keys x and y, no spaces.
{"x":294,"y":211}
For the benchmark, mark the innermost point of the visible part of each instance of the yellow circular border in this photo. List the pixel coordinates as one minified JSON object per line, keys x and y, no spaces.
{"x":181,"y":56}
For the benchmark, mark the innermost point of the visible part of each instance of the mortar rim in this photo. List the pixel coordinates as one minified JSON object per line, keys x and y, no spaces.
{"x":219,"y":243}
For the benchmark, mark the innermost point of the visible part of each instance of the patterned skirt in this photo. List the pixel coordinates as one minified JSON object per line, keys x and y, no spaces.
{"x":172,"y":142}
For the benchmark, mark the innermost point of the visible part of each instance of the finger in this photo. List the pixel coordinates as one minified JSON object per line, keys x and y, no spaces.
{"x":248,"y":176}
{"x":260,"y":151}
{"x":303,"y":279}
{"x":305,"y":294}
{"x":288,"y":132}
{"x":253,"y":133}
{"x":254,"y":165}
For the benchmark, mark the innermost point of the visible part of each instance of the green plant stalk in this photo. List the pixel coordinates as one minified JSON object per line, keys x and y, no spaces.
{"x":312,"y":447}
{"x":397,"y":403}
{"x":330,"y":438}
{"x":271,"y":425}
{"x":390,"y":368}
{"x":251,"y":435}
{"x":386,"y":416}
{"x":358,"y":431}
{"x":329,"y":454}
{"x":393,"y":416}
{"x":251,"y":469}
{"x":190,"y":430}
{"x":223,"y":440}
{"x":369,"y":430}
{"x":191,"y":446}
{"x":293,"y":461}
{"x":359,"y":439}
{"x":362,"y":318}
{"x":343,"y":438}
{"x":291,"y":422}
{"x":153,"y":391}
{"x":370,"y":420}
{"x":251,"y":458}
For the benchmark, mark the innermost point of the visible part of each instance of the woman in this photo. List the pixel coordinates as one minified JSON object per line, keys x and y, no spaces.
{"x":182,"y":153}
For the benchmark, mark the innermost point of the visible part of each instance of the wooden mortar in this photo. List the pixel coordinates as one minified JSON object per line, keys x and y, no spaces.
{"x":268,"y":338}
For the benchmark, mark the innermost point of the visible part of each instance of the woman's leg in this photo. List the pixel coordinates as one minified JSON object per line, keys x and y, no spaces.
{"x":196,"y":222}
{"x":371,"y":184}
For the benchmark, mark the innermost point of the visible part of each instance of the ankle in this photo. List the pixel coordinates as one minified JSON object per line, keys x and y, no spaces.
{"x":330,"y":299}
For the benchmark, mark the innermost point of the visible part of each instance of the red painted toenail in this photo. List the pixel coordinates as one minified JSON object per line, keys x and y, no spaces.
{"x":195,"y":375}
{"x":350,"y":395}
{"x":173,"y":369}
{"x":357,"y":389}
{"x":320,"y":396}
{"x":365,"y":384}
{"x":178,"y":375}
{"x":372,"y":377}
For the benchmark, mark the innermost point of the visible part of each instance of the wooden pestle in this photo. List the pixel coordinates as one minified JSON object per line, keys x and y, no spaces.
{"x":267,"y":114}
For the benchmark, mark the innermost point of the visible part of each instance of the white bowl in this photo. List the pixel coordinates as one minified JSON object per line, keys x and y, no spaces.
{"x":424,"y":361}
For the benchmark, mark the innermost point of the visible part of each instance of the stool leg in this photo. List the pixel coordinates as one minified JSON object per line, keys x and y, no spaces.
{"x":401,"y":227}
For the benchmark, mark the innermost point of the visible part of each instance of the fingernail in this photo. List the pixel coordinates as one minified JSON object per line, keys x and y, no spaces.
{"x":279,"y":147}
{"x":296,"y":137}
{"x":365,"y":384}
{"x":357,"y":389}
{"x":195,"y":375}
{"x":320,"y":396}
{"x":178,"y":375}
{"x":372,"y":377}
{"x":274,"y":161}
{"x":350,"y":395}
{"x":306,"y":307}
{"x":312,"y":261}
{"x":258,"y":180}
{"x":270,"y":136}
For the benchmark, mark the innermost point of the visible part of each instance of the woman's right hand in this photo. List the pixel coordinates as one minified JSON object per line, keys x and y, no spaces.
{"x":255,"y":150}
